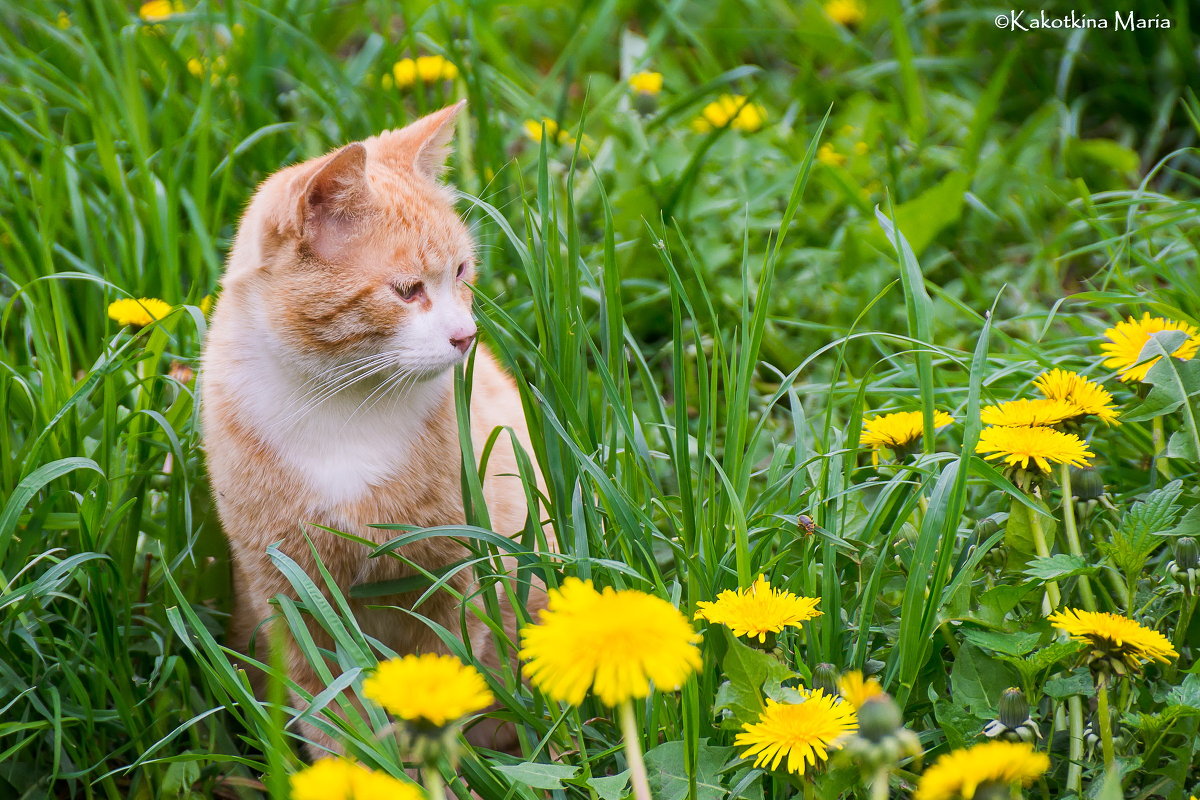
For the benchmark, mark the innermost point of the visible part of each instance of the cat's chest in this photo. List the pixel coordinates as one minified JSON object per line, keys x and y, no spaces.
{"x":352,"y":453}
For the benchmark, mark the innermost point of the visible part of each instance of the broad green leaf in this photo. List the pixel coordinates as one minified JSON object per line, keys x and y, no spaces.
{"x":538,"y":775}
{"x":751,"y":674}
{"x":1058,"y":566}
{"x":977,"y":680}
{"x":1013,"y":644}
{"x":960,"y":726}
{"x":611,"y":787}
{"x":1077,"y":682}
{"x":666,"y":767}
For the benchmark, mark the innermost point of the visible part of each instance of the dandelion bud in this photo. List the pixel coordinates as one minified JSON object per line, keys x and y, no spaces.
{"x":878,"y":717}
{"x":1014,"y":708}
{"x":985,"y":528}
{"x":1086,"y":484}
{"x":825,"y":677}
{"x":1187,"y":554}
{"x":1013,"y":723}
{"x":1185,"y":568}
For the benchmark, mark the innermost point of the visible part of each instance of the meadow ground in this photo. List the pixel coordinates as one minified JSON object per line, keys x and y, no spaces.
{"x":709,"y":308}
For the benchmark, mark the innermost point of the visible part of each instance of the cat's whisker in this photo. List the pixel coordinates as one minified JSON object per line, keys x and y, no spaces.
{"x":383,"y":362}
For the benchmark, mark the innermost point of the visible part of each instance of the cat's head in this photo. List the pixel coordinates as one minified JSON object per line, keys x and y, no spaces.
{"x":359,"y":257}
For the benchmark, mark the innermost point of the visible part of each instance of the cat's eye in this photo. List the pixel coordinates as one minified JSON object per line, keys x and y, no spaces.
{"x":462,"y":269}
{"x":410,"y":291}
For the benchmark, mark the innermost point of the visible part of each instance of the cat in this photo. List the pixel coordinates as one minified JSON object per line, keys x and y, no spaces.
{"x":328,"y":387}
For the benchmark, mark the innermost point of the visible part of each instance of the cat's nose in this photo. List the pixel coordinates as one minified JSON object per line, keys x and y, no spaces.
{"x":463,"y":339}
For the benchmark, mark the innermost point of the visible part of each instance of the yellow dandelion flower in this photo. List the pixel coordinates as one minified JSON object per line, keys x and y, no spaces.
{"x":1017,"y":446}
{"x":342,"y":779}
{"x":899,"y":430}
{"x":429,"y":689}
{"x":426,"y":69}
{"x":731,"y":110}
{"x":140,"y":312}
{"x":650,"y":83}
{"x":830,"y":157}
{"x":533,"y":129}
{"x":616,"y":642}
{"x":759,"y":610}
{"x":960,"y":774}
{"x":856,"y":690}
{"x":1088,"y":396}
{"x":846,"y":12}
{"x":206,"y":304}
{"x":1126,"y":340}
{"x":63,"y":21}
{"x":1119,"y":641}
{"x":800,"y":733}
{"x":1040,"y":411}
{"x":432,"y":69}
{"x":159,"y":10}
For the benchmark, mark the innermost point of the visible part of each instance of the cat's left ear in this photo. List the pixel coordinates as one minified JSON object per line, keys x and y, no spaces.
{"x":422,"y":146}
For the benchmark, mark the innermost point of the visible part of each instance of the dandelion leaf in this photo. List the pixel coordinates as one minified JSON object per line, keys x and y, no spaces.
{"x":667,"y":770}
{"x":977,"y":680}
{"x":538,"y":776}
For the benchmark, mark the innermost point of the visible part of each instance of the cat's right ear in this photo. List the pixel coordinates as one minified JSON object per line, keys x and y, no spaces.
{"x":335,"y":190}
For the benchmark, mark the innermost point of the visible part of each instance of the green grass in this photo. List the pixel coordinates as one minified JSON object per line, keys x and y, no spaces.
{"x":699,"y":323}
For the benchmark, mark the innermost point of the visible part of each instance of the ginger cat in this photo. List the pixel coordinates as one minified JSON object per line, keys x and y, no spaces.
{"x":328,"y":383}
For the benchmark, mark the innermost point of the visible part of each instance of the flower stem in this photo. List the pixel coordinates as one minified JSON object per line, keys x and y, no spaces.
{"x":1160,"y":446}
{"x":1043,"y":550}
{"x":435,"y":788}
{"x":1075,"y":768}
{"x":1068,"y":506}
{"x":633,"y":752}
{"x":1185,"y":620}
{"x":879,"y":784}
{"x":1106,"y":734}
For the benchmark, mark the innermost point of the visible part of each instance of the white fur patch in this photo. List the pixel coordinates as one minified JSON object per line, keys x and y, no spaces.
{"x":342,"y":443}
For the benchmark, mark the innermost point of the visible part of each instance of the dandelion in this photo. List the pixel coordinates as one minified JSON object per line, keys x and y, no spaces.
{"x":1042,"y":411}
{"x":966,"y":773}
{"x":159,"y":10}
{"x":1126,"y":340}
{"x":731,"y":110}
{"x":898,"y":431}
{"x":846,"y":12}
{"x":1088,"y":396}
{"x":1018,"y":446}
{"x":650,"y":83}
{"x":797,"y":734}
{"x":1114,"y":641}
{"x":615,"y":642}
{"x":861,"y":148}
{"x":64,"y":20}
{"x":140,"y":312}
{"x":856,"y":690}
{"x":533,"y":129}
{"x":428,"y":690}
{"x":830,"y":157}
{"x":206,"y":304}
{"x":342,"y":779}
{"x":426,"y":69}
{"x":759,"y":610}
